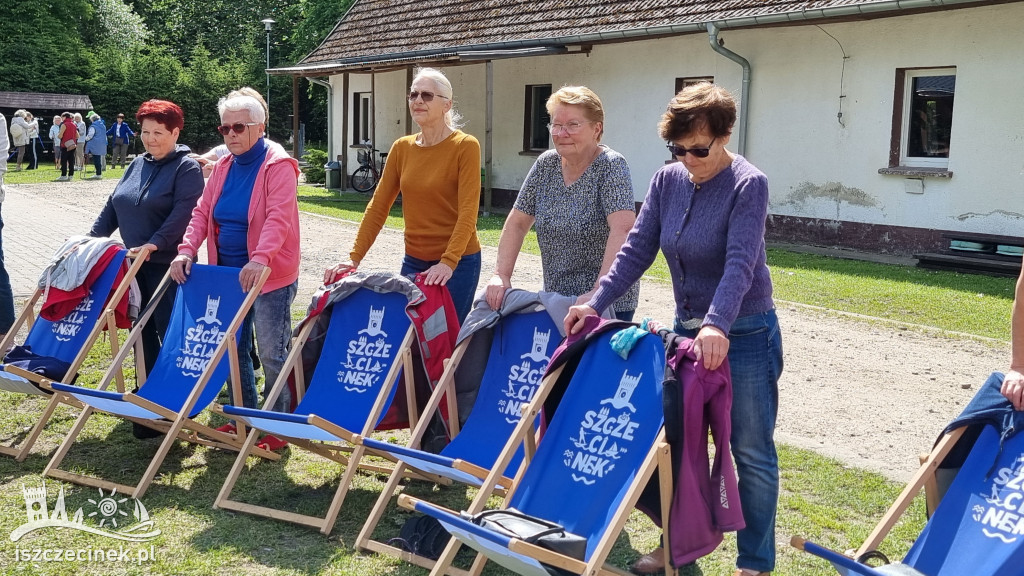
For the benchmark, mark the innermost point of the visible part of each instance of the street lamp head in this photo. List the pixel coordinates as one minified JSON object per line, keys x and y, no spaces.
{"x":268,"y":23}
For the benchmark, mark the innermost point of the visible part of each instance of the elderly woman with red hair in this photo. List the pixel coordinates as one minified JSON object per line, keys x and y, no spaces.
{"x":151,"y":206}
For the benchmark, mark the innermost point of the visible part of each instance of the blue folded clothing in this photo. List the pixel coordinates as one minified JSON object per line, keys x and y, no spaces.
{"x":46,"y":366}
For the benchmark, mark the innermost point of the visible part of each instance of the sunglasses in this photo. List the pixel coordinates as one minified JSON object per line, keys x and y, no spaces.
{"x":238,"y":127}
{"x":427,"y":96}
{"x":697,"y":152}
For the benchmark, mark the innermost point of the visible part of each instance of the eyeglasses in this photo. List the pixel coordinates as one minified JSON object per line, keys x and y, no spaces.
{"x":697,"y":152}
{"x":426,"y":96}
{"x":570,"y":128}
{"x":238,"y":127}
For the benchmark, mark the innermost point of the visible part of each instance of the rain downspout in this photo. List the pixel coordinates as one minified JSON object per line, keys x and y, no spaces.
{"x":741,"y":146}
{"x":330,"y":114}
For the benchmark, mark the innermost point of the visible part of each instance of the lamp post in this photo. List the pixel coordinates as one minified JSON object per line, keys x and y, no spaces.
{"x":268,"y":23}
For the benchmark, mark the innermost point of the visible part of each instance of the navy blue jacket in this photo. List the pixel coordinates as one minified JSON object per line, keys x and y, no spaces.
{"x":153,"y":202}
{"x":125,"y":131}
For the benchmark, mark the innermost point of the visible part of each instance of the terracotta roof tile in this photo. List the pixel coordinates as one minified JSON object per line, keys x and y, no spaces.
{"x":375,"y":29}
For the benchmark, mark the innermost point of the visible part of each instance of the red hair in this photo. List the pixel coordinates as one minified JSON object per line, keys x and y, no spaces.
{"x":165,"y":112}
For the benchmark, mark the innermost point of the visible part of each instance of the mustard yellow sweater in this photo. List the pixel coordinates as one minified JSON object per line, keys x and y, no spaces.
{"x":440,"y":188}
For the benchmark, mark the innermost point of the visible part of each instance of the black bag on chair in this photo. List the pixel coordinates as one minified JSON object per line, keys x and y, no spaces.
{"x":533,"y":530}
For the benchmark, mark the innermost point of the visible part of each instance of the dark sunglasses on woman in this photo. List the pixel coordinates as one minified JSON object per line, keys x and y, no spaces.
{"x":697,"y":152}
{"x":427,"y":96}
{"x":238,"y":127}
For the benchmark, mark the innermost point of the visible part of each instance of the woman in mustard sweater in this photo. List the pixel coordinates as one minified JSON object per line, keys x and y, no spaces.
{"x":438,"y":173}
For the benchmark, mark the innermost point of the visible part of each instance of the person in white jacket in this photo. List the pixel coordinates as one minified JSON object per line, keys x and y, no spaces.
{"x":20,"y":134}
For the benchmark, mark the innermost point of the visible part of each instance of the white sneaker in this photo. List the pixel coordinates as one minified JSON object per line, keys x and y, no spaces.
{"x":95,"y":177}
{"x":61,"y":179}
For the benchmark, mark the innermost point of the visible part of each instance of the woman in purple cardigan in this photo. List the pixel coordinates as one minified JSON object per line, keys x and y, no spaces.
{"x":707,"y":214}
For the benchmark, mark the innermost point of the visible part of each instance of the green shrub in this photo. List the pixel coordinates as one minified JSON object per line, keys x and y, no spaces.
{"x":314,"y":169}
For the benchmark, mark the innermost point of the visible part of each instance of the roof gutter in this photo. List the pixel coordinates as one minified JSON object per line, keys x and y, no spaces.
{"x":741,"y":145}
{"x":874,"y":9}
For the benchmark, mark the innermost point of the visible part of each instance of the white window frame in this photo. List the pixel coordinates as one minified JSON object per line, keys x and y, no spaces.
{"x":905,"y":120}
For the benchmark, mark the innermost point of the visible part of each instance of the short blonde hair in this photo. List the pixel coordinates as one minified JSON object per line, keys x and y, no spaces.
{"x":580,"y":96}
{"x":452,"y":118}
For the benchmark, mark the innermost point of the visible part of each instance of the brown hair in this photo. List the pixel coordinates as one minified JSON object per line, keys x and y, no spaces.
{"x":580,"y":96}
{"x":702,"y":105}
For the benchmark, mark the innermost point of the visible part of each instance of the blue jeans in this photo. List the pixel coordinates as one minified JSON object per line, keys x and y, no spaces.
{"x":755,"y":360}
{"x":271,"y":319}
{"x":462,"y":285}
{"x":6,"y":293}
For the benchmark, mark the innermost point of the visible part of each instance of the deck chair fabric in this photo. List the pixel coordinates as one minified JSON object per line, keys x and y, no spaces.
{"x":977,"y":527}
{"x":189,"y":372}
{"x":504,"y":374}
{"x":363,"y":340}
{"x":54,"y":350}
{"x":361,"y":331}
{"x":477,"y":333}
{"x":521,"y":346}
{"x":54,"y":345}
{"x":600,"y":446}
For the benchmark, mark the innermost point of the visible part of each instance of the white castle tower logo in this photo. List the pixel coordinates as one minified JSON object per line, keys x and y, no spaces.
{"x":625,"y":391}
{"x":538,"y":353}
{"x":212,"y":306}
{"x":373,"y":327}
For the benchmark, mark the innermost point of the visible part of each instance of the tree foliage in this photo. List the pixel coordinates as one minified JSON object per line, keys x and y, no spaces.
{"x":123,"y":52}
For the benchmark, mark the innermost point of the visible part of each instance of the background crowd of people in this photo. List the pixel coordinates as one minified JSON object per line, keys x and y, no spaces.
{"x":90,"y":141}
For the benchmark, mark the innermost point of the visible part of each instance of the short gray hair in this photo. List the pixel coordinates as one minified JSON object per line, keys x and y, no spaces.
{"x":236,"y":103}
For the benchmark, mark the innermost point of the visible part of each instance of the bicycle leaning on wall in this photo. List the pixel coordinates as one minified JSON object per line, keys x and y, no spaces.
{"x":365,"y":177}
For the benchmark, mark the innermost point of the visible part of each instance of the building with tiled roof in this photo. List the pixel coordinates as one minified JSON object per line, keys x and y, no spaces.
{"x":847,"y":105}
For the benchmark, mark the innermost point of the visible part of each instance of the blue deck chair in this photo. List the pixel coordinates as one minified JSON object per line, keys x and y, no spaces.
{"x":600,"y":447}
{"x":367,"y":346}
{"x":520,"y":339}
{"x":69,"y":341}
{"x":977,"y":527}
{"x":187,"y":377}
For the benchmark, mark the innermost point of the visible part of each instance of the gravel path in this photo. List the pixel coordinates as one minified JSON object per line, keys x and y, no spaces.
{"x":872,"y":393}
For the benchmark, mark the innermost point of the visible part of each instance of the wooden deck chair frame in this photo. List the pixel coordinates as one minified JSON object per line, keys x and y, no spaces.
{"x":923,"y":478}
{"x":178,"y":425}
{"x":350,"y":456}
{"x":444,"y":392}
{"x":659,"y":457}
{"x":106,"y":320}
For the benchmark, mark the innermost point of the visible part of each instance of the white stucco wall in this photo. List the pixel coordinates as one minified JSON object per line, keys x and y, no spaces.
{"x":817,"y":167}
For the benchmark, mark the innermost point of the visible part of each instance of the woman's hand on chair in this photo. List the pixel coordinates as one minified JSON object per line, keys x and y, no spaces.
{"x":574,"y":319}
{"x":495,"y":291}
{"x":337,"y":271}
{"x":439,"y":273}
{"x":250,"y":274}
{"x":148,"y":247}
{"x":711,"y":346}
{"x":1013,"y":388}
{"x":181,"y":267}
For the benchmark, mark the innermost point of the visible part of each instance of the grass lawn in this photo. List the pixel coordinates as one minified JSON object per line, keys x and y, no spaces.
{"x":47,"y":173}
{"x":822,"y":499}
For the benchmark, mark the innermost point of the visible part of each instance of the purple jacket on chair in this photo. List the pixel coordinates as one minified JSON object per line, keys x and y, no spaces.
{"x":706,"y":501}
